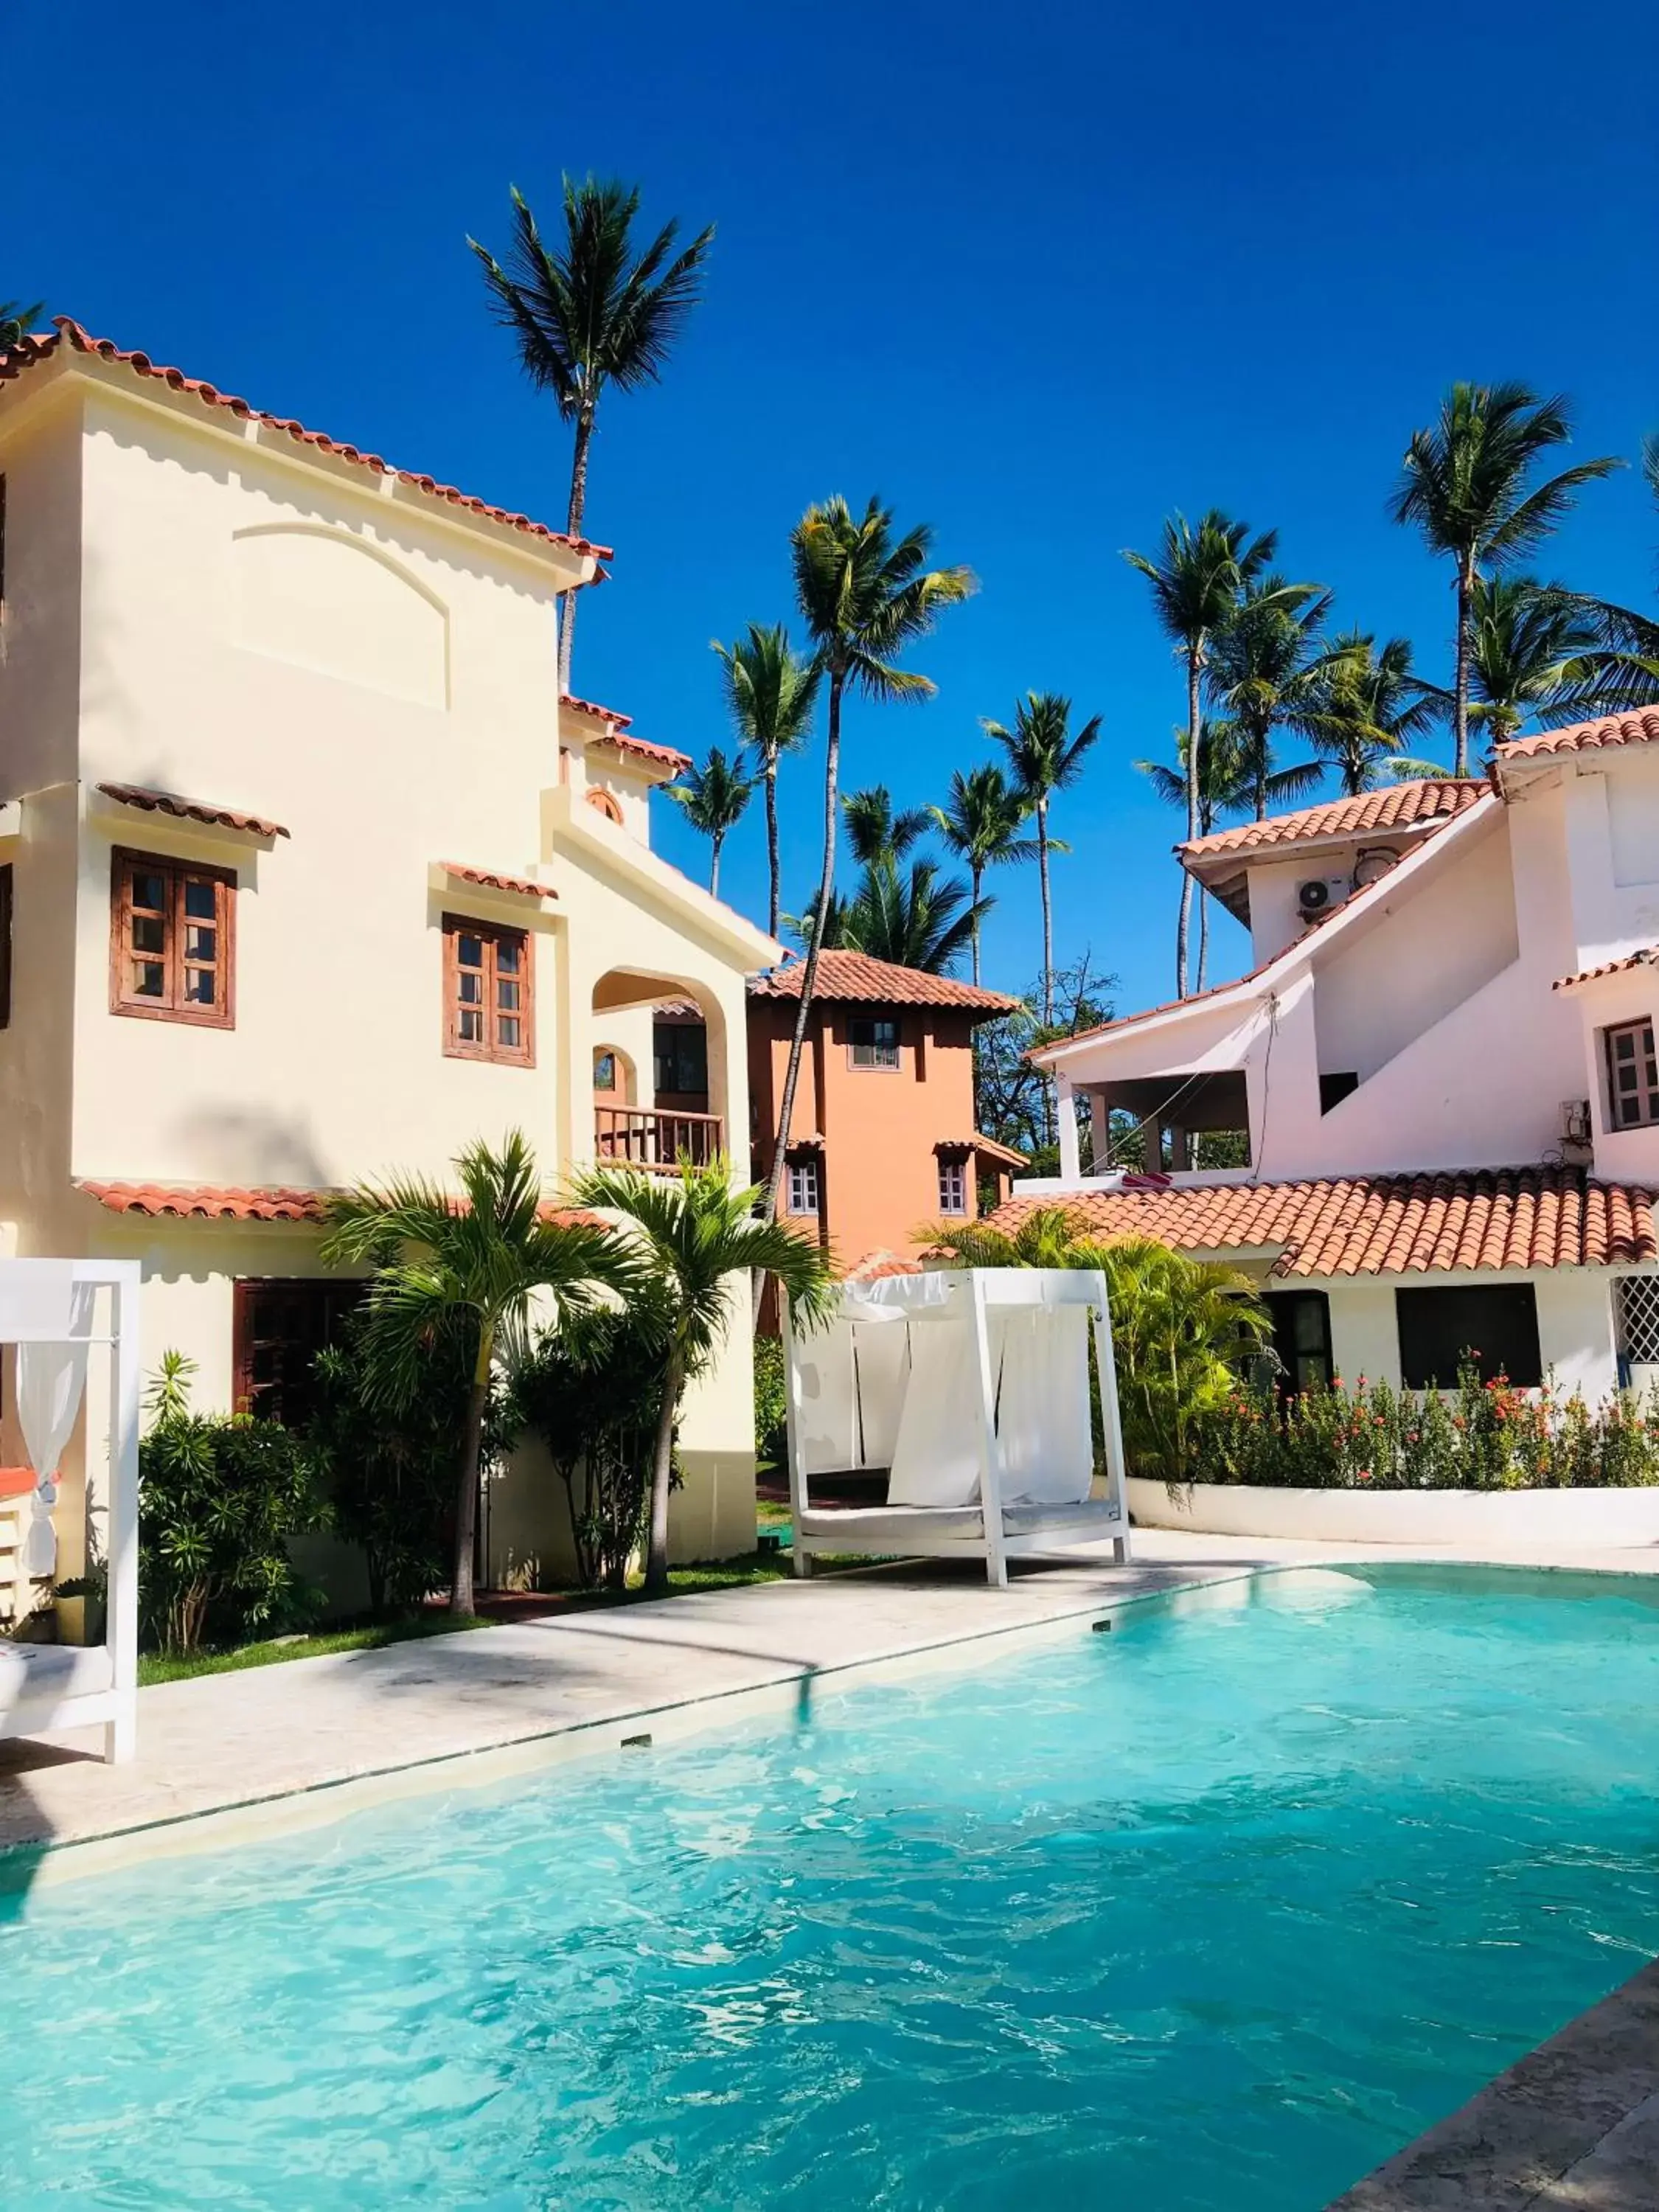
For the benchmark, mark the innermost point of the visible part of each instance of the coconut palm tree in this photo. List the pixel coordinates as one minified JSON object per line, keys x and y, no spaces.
{"x":864,"y":595}
{"x":1535,"y":649}
{"x":1624,"y":676}
{"x":980,"y":822}
{"x":690,"y":1234}
{"x":1044,"y":758}
{"x":874,"y":832}
{"x":911,"y":917}
{"x":589,"y":312}
{"x":18,"y":320}
{"x":1370,"y":707}
{"x":1226,"y":785}
{"x":714,"y":798}
{"x":1198,"y":577}
{"x":1265,"y":667}
{"x":473,"y":1263}
{"x":1469,"y":485}
{"x":770,"y":694}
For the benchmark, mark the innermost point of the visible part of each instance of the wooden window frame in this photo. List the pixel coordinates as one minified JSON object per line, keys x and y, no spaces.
{"x":488,"y":1049}
{"x":602,"y":802}
{"x":1642,"y":1060}
{"x":221,"y":1014}
{"x":893,"y":1067}
{"x":335,"y":1297}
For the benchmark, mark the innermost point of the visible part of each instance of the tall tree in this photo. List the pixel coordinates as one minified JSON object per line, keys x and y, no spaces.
{"x":864,"y":595}
{"x":589,"y":312}
{"x":911,"y":917}
{"x":1371,"y":707}
{"x":1198,"y":577}
{"x":691,"y":1234}
{"x":475,"y":1261}
{"x":18,"y":320}
{"x":770,"y":694}
{"x":980,"y":822}
{"x":1469,"y":484}
{"x":874,"y":832}
{"x":1624,"y":675}
{"x":714,"y":798}
{"x":1265,"y":667}
{"x":1044,"y":758}
{"x":1535,"y":649}
{"x":1226,"y":785}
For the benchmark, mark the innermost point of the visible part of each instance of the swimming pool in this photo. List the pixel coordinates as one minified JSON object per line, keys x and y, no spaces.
{"x":1212,"y":1911}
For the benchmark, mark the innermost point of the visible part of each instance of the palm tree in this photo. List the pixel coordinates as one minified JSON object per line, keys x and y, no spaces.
{"x":1044,"y":758}
{"x":1197,"y":577}
{"x":1226,"y":785}
{"x":1624,"y":674}
{"x":1533,"y":649}
{"x":864,"y":596}
{"x":874,"y":832}
{"x":588,"y":311}
{"x":1467,"y":484}
{"x":18,"y":320}
{"x":473,"y":1263}
{"x":1264,"y":667}
{"x":1369,"y":707}
{"x":714,"y":798}
{"x":690,"y":1234}
{"x":911,"y":919}
{"x":980,"y":822}
{"x":770,"y":694}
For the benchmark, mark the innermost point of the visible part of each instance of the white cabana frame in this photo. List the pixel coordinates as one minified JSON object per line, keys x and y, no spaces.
{"x":977,"y":1420}
{"x":45,"y":1688}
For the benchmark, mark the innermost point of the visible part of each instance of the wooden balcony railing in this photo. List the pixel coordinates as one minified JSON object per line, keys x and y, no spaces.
{"x":640,"y":1137}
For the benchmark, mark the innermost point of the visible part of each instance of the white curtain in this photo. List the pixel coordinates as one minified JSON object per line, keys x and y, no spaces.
{"x":46,"y":1301}
{"x":883,"y":1376}
{"x":827,"y":1424}
{"x":1042,"y":1411}
{"x":936,"y":1452}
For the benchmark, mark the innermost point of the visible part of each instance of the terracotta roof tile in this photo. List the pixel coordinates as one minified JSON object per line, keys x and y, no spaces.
{"x":487,"y":879}
{"x":1416,"y":805}
{"x":987,"y":1147}
{"x":190,"y":809}
{"x":1641,"y":728}
{"x":1385,"y":1224}
{"x":855,"y":978}
{"x":874,"y":1267}
{"x":1644,"y":957}
{"x":616,"y":725}
{"x":35,"y":349}
{"x":618,"y":721}
{"x":209,"y":1201}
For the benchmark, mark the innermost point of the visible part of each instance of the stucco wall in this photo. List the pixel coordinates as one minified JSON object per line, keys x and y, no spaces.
{"x":1575,"y":1323}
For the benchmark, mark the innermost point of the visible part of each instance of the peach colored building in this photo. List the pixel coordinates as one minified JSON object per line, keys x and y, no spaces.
{"x":307,"y":874}
{"x":882,"y":1139}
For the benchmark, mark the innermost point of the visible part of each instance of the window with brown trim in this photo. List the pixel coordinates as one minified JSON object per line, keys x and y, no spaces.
{"x":5,"y":945}
{"x":172,"y":940}
{"x":489,"y":1002}
{"x":1632,"y":1076}
{"x":278,"y":1326}
{"x":953,"y":1182}
{"x":603,"y":803}
{"x":874,"y":1039}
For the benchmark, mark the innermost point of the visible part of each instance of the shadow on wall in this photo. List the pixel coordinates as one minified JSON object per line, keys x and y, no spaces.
{"x":246,"y":1145}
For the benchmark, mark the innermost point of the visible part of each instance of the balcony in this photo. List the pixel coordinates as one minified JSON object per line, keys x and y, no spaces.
{"x":643,"y":1137}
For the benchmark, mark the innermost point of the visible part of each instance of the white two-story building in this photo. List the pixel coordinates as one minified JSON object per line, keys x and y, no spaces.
{"x":1441,"y":1070}
{"x":307,"y":874}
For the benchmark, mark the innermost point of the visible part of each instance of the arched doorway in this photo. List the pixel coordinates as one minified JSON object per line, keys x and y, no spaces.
{"x":671,"y":1038}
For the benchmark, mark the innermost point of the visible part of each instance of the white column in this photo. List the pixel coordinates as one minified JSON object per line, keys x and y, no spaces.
{"x":1071,"y":1167}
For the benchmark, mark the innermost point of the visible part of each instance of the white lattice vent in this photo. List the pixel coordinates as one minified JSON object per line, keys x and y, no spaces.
{"x":1637,"y":1305}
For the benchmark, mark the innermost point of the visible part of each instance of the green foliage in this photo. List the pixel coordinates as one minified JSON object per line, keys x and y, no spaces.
{"x":1366,"y":708}
{"x":771,"y":1415}
{"x":1012,"y":1098}
{"x":220,"y":1498}
{"x":1486,"y":1435}
{"x":910,"y":917}
{"x":714,"y":798}
{"x":17,"y":318}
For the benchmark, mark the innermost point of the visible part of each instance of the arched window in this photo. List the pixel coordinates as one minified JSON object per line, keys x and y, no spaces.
{"x":606,"y":805}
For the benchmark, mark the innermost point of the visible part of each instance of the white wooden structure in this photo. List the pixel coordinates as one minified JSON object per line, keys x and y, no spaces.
{"x":970,"y":1389}
{"x":55,"y":1312}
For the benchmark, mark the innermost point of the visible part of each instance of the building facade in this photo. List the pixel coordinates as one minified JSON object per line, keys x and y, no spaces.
{"x":1442,"y":1067}
{"x":307,"y":874}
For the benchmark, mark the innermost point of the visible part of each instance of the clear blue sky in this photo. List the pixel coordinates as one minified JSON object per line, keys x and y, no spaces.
{"x":1035,"y":275}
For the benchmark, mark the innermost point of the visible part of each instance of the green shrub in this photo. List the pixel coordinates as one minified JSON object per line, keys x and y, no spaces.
{"x":771,"y":1415}
{"x":219,"y":1498}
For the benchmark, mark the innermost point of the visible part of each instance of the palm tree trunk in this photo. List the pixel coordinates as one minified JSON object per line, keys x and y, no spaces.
{"x":1047,"y":912}
{"x":466,"y":1498}
{"x":662,"y":1468}
{"x":578,"y":509}
{"x":977,"y":875}
{"x":715,"y":866}
{"x":1195,"y":731}
{"x":826,"y":884}
{"x":772,"y":844}
{"x":1203,"y":935}
{"x":1460,"y":681}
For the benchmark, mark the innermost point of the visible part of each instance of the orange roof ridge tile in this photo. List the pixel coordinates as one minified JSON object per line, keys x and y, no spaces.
{"x":1639,"y":728}
{"x":190,"y":809}
{"x":854,"y":977}
{"x":489,"y":879}
{"x":1418,"y":804}
{"x":1643,"y":956}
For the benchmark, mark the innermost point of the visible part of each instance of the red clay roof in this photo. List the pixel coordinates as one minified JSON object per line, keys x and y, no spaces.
{"x":875,"y":1266}
{"x":209,"y":1201}
{"x":1396,"y":806}
{"x":854,"y":977}
{"x":987,"y":1147}
{"x":190,"y":809}
{"x":1386,"y":1224}
{"x":1640,"y":728}
{"x":1643,"y":958}
{"x":659,"y":755}
{"x":592,"y":707}
{"x":35,"y":349}
{"x":519,"y":886}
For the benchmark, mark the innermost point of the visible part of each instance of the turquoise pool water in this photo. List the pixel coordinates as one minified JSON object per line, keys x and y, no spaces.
{"x":1213,"y":1911}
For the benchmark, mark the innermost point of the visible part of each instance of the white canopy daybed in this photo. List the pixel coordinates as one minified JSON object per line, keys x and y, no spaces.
{"x":970,"y":1389}
{"x":55,"y":1311}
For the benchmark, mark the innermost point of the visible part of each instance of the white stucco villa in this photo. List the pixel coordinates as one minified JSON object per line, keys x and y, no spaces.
{"x":1442,"y":1064}
{"x":307,"y":873}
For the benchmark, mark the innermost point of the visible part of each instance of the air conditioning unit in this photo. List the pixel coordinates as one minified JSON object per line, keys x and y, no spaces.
{"x":1313,"y":897}
{"x":1575,"y":1121}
